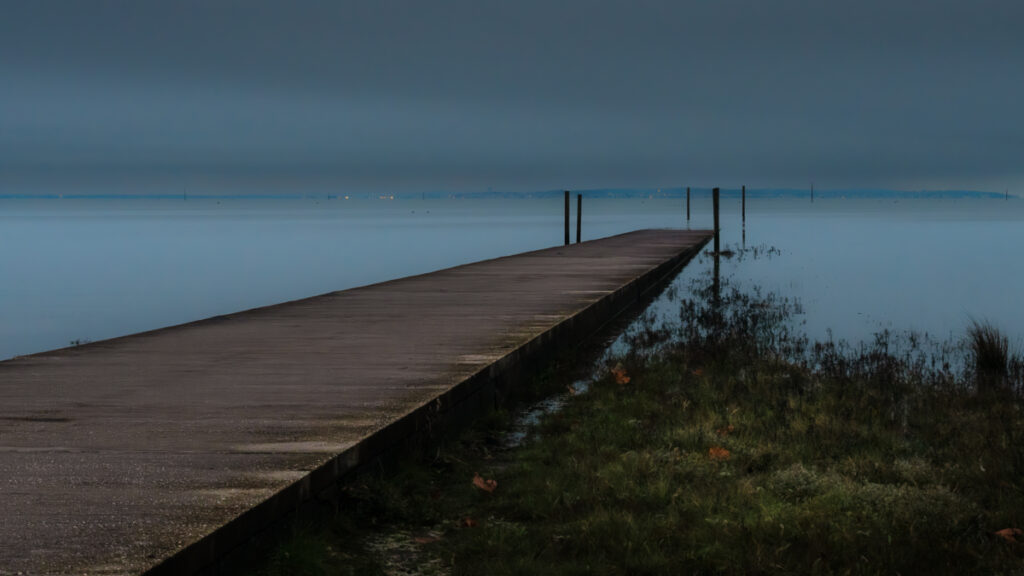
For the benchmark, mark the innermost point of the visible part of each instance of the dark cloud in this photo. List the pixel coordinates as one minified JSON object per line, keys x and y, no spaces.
{"x":428,"y":95}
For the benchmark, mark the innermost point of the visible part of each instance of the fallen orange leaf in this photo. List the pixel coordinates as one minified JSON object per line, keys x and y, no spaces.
{"x":718,"y":453}
{"x":468,"y":522}
{"x":572,"y":391}
{"x":725,"y":430}
{"x":620,"y":374}
{"x":1009,"y":534}
{"x":485,"y":485}
{"x":698,"y":371}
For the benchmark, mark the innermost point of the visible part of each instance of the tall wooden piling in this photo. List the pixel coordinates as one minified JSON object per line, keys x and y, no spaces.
{"x":714,"y":200}
{"x":566,"y":217}
{"x":687,"y":203}
{"x":579,"y":215}
{"x":743,"y":209}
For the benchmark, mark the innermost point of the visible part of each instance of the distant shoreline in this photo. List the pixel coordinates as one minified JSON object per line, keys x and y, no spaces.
{"x":645,"y":193}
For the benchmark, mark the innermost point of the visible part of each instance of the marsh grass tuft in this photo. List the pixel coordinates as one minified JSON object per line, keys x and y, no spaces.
{"x":990,"y":352}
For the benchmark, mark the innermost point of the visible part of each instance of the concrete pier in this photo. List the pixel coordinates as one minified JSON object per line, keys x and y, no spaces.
{"x":162,"y":452}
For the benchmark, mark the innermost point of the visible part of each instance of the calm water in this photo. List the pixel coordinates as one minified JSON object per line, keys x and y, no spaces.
{"x":95,"y":269}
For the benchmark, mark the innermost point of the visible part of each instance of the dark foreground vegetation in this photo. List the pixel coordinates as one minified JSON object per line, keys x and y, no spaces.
{"x":720,"y":444}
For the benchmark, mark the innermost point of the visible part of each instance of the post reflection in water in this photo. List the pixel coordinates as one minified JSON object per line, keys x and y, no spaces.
{"x":717,"y":284}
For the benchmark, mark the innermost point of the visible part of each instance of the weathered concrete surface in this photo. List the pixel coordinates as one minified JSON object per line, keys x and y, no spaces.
{"x":163,"y":450}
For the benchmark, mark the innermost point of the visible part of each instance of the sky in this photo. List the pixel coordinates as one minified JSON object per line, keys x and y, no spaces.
{"x":259,"y":96}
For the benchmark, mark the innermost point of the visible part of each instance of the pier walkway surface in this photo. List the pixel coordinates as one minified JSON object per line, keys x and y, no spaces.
{"x":163,"y":451}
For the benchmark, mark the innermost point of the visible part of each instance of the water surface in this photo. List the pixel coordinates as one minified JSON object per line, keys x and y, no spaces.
{"x":86,"y":270}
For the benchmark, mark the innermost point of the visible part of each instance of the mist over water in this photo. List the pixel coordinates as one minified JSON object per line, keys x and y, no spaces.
{"x":87,"y":270}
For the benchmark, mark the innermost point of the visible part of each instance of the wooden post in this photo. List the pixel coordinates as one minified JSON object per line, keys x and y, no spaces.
{"x":714,"y":200}
{"x":579,"y":215}
{"x":744,"y":208}
{"x":687,"y":203}
{"x":566,"y":217}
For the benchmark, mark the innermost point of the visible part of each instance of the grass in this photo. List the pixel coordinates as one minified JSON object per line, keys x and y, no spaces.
{"x":990,"y":351}
{"x":735,"y":447}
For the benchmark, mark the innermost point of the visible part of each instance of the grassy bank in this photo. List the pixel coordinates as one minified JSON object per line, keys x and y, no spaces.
{"x":723,"y":443}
